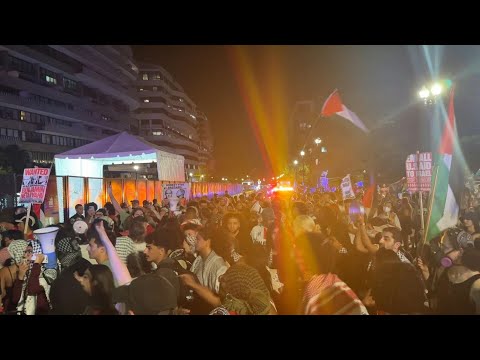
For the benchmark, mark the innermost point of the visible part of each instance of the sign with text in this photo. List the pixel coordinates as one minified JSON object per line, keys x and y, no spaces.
{"x":179,"y":191}
{"x":347,"y":190}
{"x":419,"y":171}
{"x":34,"y":185}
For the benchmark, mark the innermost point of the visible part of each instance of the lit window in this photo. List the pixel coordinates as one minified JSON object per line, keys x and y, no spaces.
{"x":50,"y":79}
{"x":145,"y":76}
{"x":146,"y":100}
{"x":140,"y":89}
{"x":157,"y":133}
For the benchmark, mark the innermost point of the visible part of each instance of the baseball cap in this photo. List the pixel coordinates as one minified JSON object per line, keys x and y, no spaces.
{"x":149,"y":294}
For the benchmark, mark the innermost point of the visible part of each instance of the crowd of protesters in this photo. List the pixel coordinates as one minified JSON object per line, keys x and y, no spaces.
{"x":249,"y":254}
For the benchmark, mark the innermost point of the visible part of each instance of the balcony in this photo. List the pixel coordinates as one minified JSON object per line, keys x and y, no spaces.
{"x":93,"y":79}
{"x":36,"y":56}
{"x":76,"y":116}
{"x":9,"y":140}
{"x":120,"y":60}
{"x":167,"y":118}
{"x":75,"y":131}
{"x":171,"y":145}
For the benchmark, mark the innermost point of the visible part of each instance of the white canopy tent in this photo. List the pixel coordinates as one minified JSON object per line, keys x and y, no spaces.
{"x":123,"y":148}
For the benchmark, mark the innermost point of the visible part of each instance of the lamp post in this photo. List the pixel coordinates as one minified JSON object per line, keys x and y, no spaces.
{"x":430,"y":95}
{"x":191,"y":176}
{"x":295,"y":163}
{"x":302,"y":154}
{"x":136,"y":167}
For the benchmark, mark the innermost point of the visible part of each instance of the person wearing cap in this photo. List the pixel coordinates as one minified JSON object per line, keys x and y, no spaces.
{"x":149,"y":294}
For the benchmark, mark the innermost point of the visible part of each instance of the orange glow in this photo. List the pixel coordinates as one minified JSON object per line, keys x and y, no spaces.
{"x":266,"y":104}
{"x":282,"y":188}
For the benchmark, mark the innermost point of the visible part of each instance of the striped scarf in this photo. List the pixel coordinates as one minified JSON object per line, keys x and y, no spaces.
{"x":326,"y":294}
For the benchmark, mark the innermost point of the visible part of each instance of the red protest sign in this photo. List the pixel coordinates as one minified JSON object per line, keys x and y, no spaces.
{"x":34,"y":185}
{"x":419,"y":171}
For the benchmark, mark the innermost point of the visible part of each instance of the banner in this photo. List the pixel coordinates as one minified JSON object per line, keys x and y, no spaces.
{"x":347,"y":190}
{"x":34,"y":185}
{"x":419,"y":172}
{"x":176,"y":191}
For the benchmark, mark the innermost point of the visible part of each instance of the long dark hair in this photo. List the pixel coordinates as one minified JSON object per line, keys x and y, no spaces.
{"x":102,"y":290}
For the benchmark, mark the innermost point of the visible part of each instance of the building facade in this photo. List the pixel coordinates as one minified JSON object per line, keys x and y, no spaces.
{"x":57,"y":97}
{"x":168,"y":118}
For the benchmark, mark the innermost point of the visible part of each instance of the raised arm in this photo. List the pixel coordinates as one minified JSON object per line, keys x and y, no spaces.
{"x":114,"y":201}
{"x":119,"y":269}
{"x":359,"y":243}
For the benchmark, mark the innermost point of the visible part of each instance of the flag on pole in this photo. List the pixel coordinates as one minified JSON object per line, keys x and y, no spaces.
{"x":333,"y":105}
{"x":447,"y":183}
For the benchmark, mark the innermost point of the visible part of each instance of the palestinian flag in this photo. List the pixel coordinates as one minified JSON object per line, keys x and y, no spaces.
{"x":447,"y":181}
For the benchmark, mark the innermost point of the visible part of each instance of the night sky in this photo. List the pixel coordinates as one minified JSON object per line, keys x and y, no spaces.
{"x":379,"y":83}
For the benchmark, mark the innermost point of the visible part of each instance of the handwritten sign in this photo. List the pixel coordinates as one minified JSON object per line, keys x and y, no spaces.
{"x":34,"y":185}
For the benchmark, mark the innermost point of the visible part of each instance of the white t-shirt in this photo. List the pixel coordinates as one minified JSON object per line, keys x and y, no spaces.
{"x":258,"y":234}
{"x":256,"y":207}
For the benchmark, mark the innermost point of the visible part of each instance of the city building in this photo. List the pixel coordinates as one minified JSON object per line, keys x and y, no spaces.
{"x":168,"y":118}
{"x":56,"y":97}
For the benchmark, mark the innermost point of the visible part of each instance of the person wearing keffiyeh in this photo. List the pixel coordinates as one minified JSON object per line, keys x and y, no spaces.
{"x":324,"y":292}
{"x":66,"y":294}
{"x":242,"y":292}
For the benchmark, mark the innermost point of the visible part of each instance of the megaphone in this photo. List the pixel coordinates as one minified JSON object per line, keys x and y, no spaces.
{"x":46,"y":237}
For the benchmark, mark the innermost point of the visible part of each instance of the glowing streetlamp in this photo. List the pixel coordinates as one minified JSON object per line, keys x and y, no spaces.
{"x":429,"y":94}
{"x":318,"y":141}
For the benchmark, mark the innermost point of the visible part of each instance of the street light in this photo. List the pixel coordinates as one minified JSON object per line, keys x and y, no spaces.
{"x":430,"y":94}
{"x":318,"y":141}
{"x":302,"y":154}
{"x":135,"y":167}
{"x":295,"y":163}
{"x":436,"y":89}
